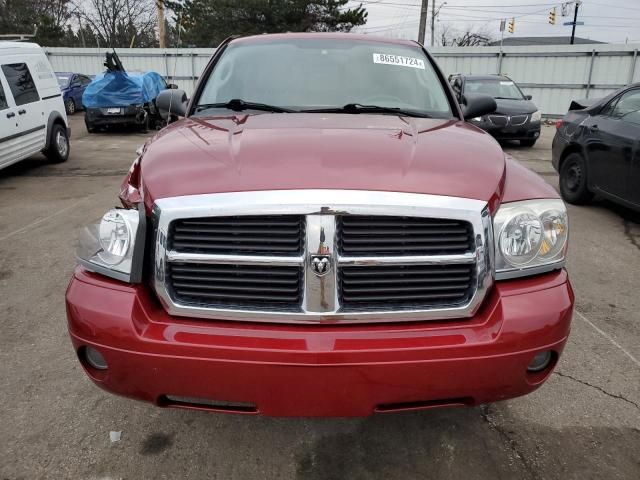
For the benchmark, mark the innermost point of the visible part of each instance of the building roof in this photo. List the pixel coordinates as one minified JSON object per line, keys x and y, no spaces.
{"x":521,"y":41}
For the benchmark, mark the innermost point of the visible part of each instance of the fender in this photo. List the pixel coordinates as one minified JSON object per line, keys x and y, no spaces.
{"x":54,"y":117}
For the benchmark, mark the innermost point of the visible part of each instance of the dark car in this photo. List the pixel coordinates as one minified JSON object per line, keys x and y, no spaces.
{"x":516,"y":118}
{"x":596,"y":149}
{"x":72,"y":86}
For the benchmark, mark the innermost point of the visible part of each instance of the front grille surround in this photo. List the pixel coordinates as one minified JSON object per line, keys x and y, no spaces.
{"x":322,"y":298}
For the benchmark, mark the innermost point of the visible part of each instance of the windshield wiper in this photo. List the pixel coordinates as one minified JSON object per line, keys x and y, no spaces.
{"x":238,"y":105}
{"x":360,"y":108}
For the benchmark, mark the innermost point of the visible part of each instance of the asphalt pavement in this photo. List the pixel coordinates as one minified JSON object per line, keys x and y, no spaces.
{"x":54,"y":423}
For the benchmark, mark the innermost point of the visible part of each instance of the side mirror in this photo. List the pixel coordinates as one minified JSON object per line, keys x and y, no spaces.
{"x":528,"y":97}
{"x":477,"y":105}
{"x":172,"y":102}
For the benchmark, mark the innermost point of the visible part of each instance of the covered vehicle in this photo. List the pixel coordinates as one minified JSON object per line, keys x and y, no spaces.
{"x":596,"y":149}
{"x":117,"y":97}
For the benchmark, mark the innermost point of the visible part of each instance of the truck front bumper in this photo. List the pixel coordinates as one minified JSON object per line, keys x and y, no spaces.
{"x":323,"y":370}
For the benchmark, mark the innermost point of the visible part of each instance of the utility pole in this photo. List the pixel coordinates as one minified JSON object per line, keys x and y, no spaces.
{"x":423,"y":21}
{"x":161,"y":29}
{"x":575,"y":21}
{"x":433,"y":19}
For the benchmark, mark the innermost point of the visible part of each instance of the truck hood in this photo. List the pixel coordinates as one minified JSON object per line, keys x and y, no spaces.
{"x":231,"y":153}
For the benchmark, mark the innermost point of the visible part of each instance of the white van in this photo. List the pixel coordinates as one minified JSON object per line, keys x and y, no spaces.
{"x":32,"y":115}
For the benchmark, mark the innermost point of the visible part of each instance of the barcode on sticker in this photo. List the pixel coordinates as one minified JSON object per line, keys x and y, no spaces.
{"x":387,"y":59}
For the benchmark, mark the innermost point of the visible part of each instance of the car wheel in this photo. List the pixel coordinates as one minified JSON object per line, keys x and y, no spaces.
{"x":59,"y":147}
{"x":528,"y":143}
{"x":573,"y":180}
{"x":70,"y":106}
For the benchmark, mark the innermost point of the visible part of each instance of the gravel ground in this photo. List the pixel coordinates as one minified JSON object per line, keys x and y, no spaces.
{"x":583,"y":423}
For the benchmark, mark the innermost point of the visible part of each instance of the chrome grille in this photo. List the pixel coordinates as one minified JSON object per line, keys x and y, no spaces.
{"x":336,"y":256}
{"x":275,"y":234}
{"x":405,"y":286}
{"x":385,"y":235}
{"x":241,"y":285}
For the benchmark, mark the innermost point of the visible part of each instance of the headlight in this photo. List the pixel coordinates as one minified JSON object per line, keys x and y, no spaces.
{"x":114,"y":246}
{"x":536,"y":116}
{"x":530,"y":237}
{"x":477,"y":119}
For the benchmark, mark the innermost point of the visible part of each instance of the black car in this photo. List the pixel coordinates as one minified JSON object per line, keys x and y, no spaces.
{"x":596,"y":149}
{"x":516,"y":118}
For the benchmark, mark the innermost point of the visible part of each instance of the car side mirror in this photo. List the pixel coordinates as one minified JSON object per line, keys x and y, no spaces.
{"x":528,"y":97}
{"x":172,"y":102}
{"x":477,"y":104}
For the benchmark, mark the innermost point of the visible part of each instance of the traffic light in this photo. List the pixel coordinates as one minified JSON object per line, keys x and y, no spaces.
{"x":512,"y":25}
{"x":552,"y":16}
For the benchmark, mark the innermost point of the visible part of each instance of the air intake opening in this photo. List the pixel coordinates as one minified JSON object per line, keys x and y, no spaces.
{"x":206,"y":404}
{"x":424,"y":404}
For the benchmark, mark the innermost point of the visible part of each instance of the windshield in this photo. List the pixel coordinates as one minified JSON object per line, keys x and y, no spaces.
{"x":305,"y":74}
{"x":498,"y":88}
{"x":63,"y":80}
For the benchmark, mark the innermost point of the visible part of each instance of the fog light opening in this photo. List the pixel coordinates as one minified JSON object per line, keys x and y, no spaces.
{"x":540,"y":362}
{"x":93,"y":358}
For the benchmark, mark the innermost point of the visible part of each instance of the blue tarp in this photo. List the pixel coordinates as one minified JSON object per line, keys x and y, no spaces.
{"x":121,"y":89}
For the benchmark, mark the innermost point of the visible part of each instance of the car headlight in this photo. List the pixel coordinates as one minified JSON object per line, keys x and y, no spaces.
{"x":115,"y":246}
{"x":536,"y":116}
{"x":530,"y":237}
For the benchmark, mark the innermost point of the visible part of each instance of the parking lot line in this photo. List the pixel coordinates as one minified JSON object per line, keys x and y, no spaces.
{"x":44,"y":219}
{"x":608,"y":337}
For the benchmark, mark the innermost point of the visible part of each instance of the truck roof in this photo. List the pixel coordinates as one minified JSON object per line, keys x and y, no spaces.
{"x":323,"y":35}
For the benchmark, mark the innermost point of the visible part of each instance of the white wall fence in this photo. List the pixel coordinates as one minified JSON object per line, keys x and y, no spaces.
{"x":554,"y":75}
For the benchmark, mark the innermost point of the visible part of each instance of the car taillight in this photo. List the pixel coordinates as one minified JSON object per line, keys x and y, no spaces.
{"x":559,"y":123}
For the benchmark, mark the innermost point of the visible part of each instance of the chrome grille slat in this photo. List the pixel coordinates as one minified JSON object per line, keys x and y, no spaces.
{"x":359,"y":235}
{"x":269,"y":285}
{"x":262,"y":235}
{"x":421,"y":285}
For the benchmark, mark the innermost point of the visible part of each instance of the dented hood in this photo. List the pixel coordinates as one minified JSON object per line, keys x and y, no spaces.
{"x":199,"y":155}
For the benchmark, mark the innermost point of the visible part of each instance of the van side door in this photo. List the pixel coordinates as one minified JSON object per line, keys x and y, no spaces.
{"x":9,"y":149}
{"x":29,"y":109}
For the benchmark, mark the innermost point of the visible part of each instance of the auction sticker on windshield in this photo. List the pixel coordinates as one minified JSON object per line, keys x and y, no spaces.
{"x":399,"y":60}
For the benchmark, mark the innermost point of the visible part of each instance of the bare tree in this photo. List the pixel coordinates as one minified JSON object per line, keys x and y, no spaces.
{"x":119,"y":23}
{"x":467,"y":37}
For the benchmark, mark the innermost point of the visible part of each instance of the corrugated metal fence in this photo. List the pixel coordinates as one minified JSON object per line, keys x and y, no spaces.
{"x":554,"y":75}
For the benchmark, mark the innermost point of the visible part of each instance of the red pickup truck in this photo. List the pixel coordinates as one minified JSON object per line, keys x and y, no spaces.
{"x":322,"y":234}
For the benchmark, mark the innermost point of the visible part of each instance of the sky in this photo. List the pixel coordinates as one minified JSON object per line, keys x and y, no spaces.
{"x":613,"y":21}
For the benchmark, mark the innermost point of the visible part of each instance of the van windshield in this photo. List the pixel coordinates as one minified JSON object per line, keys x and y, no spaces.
{"x":307,"y":74}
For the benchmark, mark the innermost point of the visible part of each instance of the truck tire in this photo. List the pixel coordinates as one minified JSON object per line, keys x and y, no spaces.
{"x":573,"y":180}
{"x":59,"y":146}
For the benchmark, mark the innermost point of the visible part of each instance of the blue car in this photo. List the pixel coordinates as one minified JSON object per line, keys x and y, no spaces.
{"x":72,"y":86}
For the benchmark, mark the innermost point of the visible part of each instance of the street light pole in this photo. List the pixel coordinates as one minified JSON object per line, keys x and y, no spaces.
{"x":423,"y":21}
